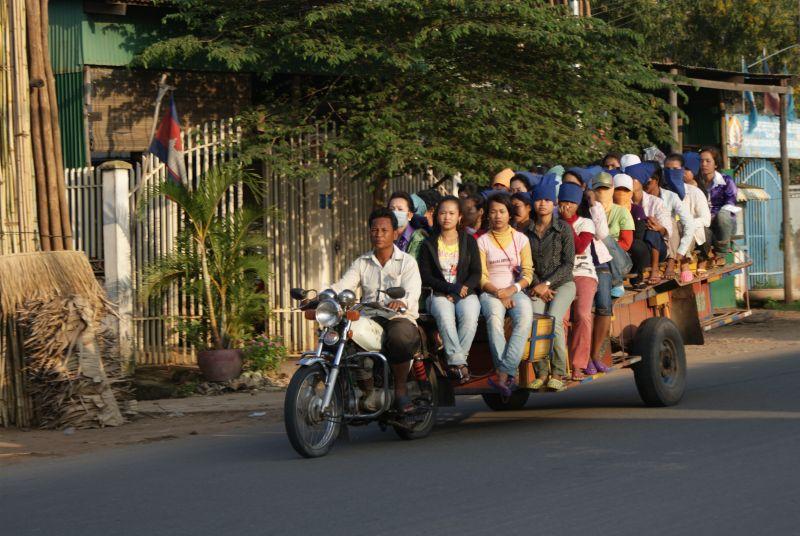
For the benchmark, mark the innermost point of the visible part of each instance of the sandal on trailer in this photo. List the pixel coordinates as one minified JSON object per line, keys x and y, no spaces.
{"x":459,"y":373}
{"x":556,"y":385}
{"x":577,"y":376}
{"x":599,"y":366}
{"x":536,"y":384}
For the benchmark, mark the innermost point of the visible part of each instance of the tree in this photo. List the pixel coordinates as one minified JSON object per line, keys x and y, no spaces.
{"x":454,"y":85}
{"x":709,"y":33}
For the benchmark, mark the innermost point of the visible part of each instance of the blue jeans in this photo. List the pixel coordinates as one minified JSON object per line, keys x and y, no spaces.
{"x":507,"y":355}
{"x":602,"y":298}
{"x":457,"y":324}
{"x":557,"y":308}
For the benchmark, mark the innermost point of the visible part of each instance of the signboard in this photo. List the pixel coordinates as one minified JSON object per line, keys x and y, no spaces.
{"x":764,"y":140}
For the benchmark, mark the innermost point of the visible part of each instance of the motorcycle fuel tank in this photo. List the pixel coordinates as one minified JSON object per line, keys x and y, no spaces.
{"x":367,"y":334}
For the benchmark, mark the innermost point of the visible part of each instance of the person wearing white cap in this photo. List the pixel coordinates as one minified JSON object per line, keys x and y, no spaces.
{"x":629,"y":160}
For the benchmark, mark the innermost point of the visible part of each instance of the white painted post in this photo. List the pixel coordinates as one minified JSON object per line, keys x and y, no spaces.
{"x":117,"y":251}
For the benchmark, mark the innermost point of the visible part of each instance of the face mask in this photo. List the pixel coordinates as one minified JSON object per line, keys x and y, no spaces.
{"x":605,"y":196}
{"x":402,"y":218}
{"x":623,"y":198}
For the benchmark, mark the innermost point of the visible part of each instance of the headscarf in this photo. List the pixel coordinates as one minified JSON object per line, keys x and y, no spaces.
{"x":691,"y":161}
{"x":531,"y":178}
{"x":642,"y":172}
{"x":503,"y":178}
{"x":545,"y":189}
{"x":605,"y":196}
{"x":420,"y":208}
{"x":623,"y":198}
{"x":570,"y":192}
{"x":557,"y":171}
{"x":628,"y":160}
{"x":673,"y":181}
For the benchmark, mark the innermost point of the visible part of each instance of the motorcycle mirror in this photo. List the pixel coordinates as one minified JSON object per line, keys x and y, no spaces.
{"x":395,"y":293}
{"x":297,"y":293}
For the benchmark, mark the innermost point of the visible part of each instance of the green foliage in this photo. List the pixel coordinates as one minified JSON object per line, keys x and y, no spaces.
{"x":264,"y":354}
{"x":709,"y":33}
{"x":218,"y":260}
{"x":455,"y":85}
{"x":782,"y":306}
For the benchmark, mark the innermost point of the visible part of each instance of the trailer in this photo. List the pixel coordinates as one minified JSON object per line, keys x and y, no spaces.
{"x":649,"y":330}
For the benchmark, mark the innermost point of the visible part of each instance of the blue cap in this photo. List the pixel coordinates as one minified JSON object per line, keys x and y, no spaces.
{"x":612,"y":172}
{"x":673,"y":180}
{"x":642,"y":172}
{"x":546,"y":189}
{"x":593,"y":171}
{"x":691,"y":161}
{"x":571,"y":192}
{"x":531,"y":178}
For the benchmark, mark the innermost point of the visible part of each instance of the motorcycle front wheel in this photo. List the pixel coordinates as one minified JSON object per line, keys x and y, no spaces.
{"x":311,"y":433}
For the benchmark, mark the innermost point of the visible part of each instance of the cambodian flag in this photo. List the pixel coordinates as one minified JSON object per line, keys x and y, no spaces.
{"x":167,"y":144}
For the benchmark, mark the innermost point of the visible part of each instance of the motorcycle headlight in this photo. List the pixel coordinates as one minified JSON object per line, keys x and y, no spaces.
{"x":329,"y":313}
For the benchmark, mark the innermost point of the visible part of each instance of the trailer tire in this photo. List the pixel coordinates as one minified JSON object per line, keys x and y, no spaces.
{"x":516,"y":401}
{"x":661,"y":374}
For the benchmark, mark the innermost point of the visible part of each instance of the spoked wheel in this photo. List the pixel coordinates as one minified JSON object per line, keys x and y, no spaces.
{"x":497,"y":402}
{"x":423,"y":422}
{"x":311,"y":432}
{"x":661,"y":374}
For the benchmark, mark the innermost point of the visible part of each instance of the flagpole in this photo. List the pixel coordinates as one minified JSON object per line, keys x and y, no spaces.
{"x":163,"y":88}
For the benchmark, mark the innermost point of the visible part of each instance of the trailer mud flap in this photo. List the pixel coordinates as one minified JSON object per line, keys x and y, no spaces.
{"x":684,"y":312}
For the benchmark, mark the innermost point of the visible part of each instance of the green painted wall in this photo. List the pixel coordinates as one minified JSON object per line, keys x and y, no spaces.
{"x":65,"y":35}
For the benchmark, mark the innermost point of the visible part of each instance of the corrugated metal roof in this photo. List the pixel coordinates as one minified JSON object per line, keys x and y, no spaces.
{"x":709,"y":73}
{"x":748,"y":192}
{"x":65,"y":35}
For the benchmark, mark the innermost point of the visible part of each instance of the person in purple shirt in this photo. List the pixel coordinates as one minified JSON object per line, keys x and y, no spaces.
{"x":721,"y":196}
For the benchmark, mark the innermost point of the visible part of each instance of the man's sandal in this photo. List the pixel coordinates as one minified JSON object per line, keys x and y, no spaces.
{"x":536,"y":384}
{"x":556,"y":385}
{"x":460,"y":373}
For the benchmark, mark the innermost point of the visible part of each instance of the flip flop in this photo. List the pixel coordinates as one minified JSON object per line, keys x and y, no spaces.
{"x":536,"y":384}
{"x":600,"y":366}
{"x":686,"y":276}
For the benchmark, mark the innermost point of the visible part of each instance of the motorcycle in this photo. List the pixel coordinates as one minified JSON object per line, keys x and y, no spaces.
{"x":331,"y":388}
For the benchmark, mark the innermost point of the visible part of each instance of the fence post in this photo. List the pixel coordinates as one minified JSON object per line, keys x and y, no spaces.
{"x":117,"y":250}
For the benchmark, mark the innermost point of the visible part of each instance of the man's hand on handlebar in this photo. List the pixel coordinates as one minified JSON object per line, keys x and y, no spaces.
{"x":397,"y":305}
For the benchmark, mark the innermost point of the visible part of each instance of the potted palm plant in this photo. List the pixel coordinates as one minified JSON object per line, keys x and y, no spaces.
{"x":219,"y":261}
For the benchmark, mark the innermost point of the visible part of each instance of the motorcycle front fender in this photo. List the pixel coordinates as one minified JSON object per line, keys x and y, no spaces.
{"x":309,"y":361}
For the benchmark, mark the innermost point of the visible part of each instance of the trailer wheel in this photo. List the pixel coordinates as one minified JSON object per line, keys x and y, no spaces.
{"x":516,"y":401}
{"x":661,"y":374}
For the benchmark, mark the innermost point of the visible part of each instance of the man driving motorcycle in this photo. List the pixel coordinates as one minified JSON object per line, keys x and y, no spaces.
{"x":384,"y":267}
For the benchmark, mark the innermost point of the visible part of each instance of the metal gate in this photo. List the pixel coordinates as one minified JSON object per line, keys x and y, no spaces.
{"x":763,"y":224}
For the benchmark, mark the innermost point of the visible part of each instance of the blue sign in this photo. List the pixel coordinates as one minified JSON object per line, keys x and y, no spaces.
{"x":764,"y":140}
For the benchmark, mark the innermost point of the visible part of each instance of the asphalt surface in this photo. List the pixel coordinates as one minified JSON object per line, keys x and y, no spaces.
{"x":589,"y":461}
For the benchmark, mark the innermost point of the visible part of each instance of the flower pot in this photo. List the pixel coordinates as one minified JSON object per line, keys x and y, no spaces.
{"x":220,"y":365}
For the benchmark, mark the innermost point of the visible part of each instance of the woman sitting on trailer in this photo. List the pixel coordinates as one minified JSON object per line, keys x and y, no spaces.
{"x":450,"y":264}
{"x":570,"y":198}
{"x":522,"y":210}
{"x":506,"y":271}
{"x":552,"y":288}
{"x":722,"y":198}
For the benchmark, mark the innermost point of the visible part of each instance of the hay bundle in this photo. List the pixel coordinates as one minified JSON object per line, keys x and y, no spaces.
{"x":73,"y":375}
{"x":73,"y":372}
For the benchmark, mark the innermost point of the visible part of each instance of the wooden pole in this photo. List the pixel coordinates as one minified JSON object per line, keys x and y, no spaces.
{"x":36,"y":80}
{"x":788,"y":252}
{"x":723,"y":137}
{"x":675,"y":146}
{"x":57,"y":158}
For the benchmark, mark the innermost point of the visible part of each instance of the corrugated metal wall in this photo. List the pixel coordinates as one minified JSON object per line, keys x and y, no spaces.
{"x":763,"y":224}
{"x":66,"y":48}
{"x":69,"y":93}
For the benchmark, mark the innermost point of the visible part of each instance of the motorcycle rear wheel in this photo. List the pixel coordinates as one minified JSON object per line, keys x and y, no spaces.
{"x":424,"y":427}
{"x":311,"y":433}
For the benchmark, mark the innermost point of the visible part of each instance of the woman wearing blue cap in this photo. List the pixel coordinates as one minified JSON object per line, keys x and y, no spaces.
{"x":552,"y":288}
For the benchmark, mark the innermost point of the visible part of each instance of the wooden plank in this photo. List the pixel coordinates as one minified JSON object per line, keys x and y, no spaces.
{"x":727,"y":86}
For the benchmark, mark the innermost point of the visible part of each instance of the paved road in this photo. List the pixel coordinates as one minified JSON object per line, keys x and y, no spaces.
{"x":589,"y":461}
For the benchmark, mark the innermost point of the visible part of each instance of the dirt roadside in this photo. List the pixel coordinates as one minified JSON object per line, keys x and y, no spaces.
{"x":162,"y":420}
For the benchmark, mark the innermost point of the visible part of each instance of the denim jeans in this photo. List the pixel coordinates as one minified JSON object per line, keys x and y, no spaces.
{"x":507,"y":355}
{"x":457,"y":324}
{"x":620,"y":263}
{"x":602,"y":298}
{"x":557,"y":308}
